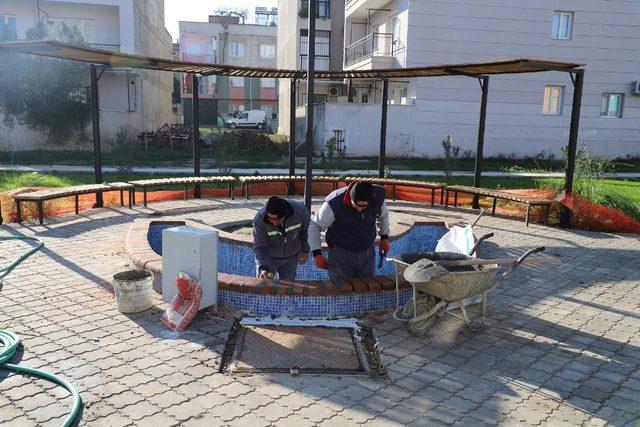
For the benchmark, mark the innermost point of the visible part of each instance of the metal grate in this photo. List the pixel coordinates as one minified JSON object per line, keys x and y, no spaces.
{"x":297,"y":349}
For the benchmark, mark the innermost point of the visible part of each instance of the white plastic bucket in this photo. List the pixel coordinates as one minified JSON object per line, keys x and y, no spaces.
{"x":134,"y":290}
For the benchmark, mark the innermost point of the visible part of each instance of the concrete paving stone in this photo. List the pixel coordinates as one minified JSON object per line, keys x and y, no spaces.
{"x":250,"y":420}
{"x":359,"y":413}
{"x":355,"y":393}
{"x":140,"y":410}
{"x":442,"y":415}
{"x":156,"y":420}
{"x":274,"y":411}
{"x":434,"y":394}
{"x":533,"y":327}
{"x":229,"y":411}
{"x":295,"y":420}
{"x":273,"y":390}
{"x":167,"y":398}
{"x":459,"y":404}
{"x":125,"y":398}
{"x":184,"y":411}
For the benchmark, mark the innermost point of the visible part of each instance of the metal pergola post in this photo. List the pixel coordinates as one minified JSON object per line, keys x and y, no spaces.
{"x":578,"y":82}
{"x":196,"y":131}
{"x":383,"y":129}
{"x":311,"y":58}
{"x":484,"y":84}
{"x":95,"y":120}
{"x":292,"y":134}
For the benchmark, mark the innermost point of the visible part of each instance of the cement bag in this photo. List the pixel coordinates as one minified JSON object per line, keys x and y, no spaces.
{"x":458,"y":240}
{"x":184,"y":305}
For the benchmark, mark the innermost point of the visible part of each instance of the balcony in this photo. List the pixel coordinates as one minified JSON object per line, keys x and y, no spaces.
{"x":357,"y":9}
{"x":376,"y":50}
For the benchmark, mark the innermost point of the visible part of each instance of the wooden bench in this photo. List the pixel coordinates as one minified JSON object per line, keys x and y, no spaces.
{"x":40,"y":196}
{"x":186,"y":181}
{"x":246,"y":181}
{"x":496,"y":194}
{"x":405,"y":183}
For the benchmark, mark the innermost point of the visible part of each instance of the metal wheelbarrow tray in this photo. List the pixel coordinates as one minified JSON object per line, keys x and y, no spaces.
{"x":463,"y":278}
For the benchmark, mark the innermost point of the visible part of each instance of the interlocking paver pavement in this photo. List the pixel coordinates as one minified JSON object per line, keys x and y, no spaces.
{"x":561,"y":346}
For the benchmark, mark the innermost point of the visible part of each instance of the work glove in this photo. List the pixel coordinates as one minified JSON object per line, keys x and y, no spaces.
{"x":321,"y":262}
{"x":385,"y":246}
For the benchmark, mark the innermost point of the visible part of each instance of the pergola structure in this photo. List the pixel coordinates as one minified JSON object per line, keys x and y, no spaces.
{"x":480,"y":71}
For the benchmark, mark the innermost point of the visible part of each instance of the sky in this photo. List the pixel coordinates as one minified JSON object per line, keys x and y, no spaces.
{"x":199,"y":10}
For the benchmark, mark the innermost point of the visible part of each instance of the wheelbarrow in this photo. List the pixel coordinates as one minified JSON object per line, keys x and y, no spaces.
{"x":440,"y":278}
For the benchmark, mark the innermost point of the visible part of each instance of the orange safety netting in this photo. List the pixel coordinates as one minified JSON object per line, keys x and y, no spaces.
{"x":587,"y":215}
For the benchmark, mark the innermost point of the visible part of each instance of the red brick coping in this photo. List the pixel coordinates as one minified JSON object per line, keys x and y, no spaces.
{"x":143,"y":256}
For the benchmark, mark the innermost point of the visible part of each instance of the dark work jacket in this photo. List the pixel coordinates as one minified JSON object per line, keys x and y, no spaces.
{"x":353,"y":231}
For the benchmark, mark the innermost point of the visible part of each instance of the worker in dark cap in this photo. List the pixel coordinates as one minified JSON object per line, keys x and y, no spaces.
{"x":280,"y":238}
{"x":351,"y":217}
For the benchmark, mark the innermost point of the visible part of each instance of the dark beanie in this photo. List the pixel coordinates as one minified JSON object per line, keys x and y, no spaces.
{"x":277,"y":206}
{"x":362,"y":191}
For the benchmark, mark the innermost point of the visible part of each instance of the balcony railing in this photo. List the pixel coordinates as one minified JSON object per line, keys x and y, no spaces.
{"x":374,"y":44}
{"x":321,"y":63}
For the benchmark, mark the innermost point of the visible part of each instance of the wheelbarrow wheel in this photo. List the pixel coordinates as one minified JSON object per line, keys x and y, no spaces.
{"x":424,"y":304}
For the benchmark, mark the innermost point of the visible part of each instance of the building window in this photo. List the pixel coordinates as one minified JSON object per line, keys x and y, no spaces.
{"x":235,"y":109}
{"x":236,"y":49}
{"x":552,"y":100}
{"x":270,"y":111}
{"x":323,"y":41}
{"x":8,"y":27}
{"x":236,"y":81}
{"x":338,"y":134}
{"x":562,"y":25}
{"x":323,"y":9}
{"x":267,"y":82}
{"x":267,"y":51}
{"x":611,"y":105}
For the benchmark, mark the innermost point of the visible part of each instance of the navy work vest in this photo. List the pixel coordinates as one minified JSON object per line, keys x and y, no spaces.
{"x":353,"y":231}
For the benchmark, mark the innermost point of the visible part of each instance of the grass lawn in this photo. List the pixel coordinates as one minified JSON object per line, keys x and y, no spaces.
{"x":11,"y":180}
{"x":277,"y":157}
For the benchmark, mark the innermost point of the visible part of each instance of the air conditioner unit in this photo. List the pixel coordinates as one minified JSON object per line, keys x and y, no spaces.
{"x":635,"y":88}
{"x":334,"y":91}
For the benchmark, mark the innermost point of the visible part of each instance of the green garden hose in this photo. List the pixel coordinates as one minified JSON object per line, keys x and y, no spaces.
{"x":11,"y":342}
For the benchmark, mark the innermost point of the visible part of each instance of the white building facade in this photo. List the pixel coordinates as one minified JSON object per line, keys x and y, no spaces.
{"x":293,"y":50}
{"x":134,"y":99}
{"x":528,"y":114}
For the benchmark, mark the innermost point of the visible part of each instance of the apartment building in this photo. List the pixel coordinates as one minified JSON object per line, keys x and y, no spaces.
{"x":134,"y":99}
{"x":527,"y":114}
{"x":293,"y":50}
{"x":224,"y":40}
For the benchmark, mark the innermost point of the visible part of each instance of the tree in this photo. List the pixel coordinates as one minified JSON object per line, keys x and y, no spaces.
{"x":45,"y":94}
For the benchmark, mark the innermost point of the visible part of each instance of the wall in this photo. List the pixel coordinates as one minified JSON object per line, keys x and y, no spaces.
{"x":141,"y":103}
{"x":606,"y":39}
{"x":153,"y":39}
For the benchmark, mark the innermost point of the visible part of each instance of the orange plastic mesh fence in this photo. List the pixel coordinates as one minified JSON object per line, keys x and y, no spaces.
{"x":587,"y":215}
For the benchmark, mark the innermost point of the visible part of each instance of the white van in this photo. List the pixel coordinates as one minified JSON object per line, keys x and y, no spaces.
{"x":251,"y":118}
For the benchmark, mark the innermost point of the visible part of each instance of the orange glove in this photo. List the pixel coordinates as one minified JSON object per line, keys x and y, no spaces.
{"x":385,"y":246}
{"x":321,"y":262}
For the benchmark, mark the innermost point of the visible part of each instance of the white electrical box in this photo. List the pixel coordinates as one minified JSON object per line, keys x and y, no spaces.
{"x":195,"y":252}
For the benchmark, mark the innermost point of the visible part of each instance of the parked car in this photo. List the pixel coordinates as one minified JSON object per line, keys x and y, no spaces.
{"x":251,"y":118}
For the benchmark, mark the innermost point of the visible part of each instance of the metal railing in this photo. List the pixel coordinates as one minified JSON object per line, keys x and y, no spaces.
{"x":321,"y":63}
{"x":374,"y":44}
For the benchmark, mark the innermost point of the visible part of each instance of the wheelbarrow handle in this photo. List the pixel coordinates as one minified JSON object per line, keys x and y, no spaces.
{"x":480,"y":240}
{"x":529,"y":252}
{"x":478,"y":218}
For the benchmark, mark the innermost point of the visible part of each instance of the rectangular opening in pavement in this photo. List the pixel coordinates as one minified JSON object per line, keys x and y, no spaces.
{"x":297,"y":349}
